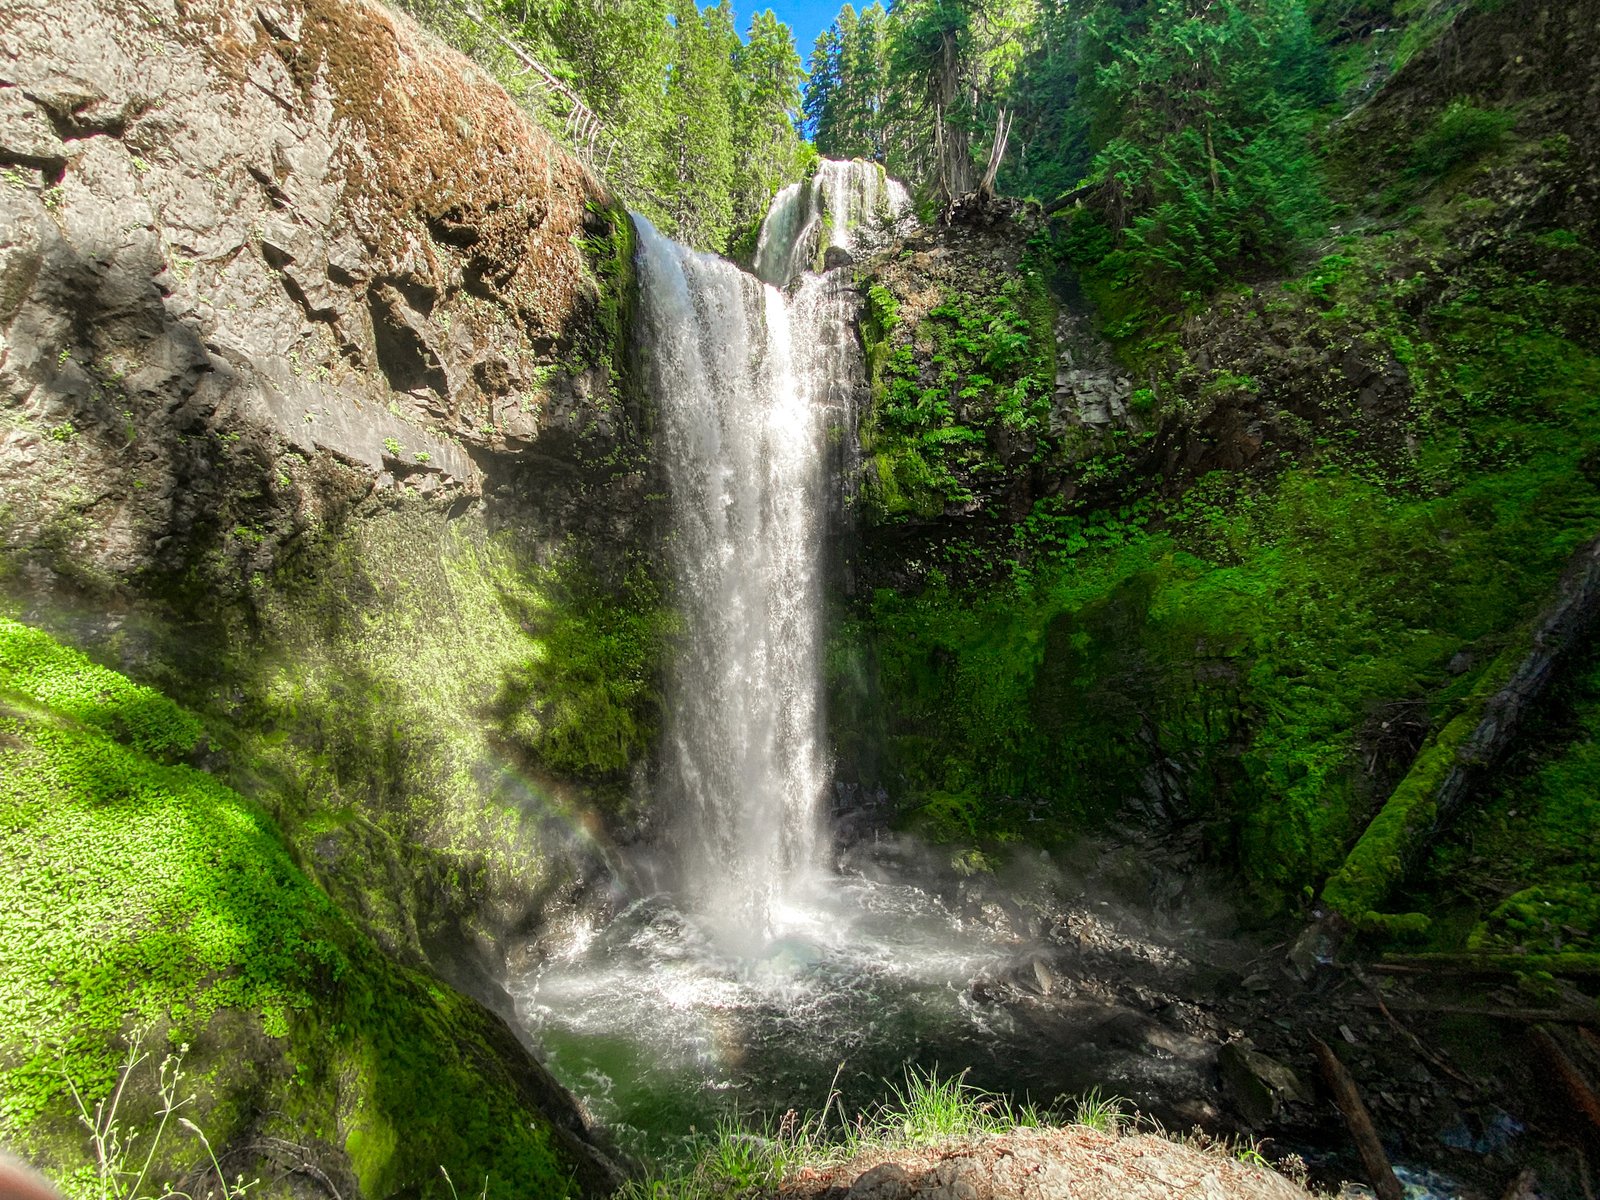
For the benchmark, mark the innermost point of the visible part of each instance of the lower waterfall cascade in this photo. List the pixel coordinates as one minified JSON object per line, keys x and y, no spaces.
{"x":748,"y":379}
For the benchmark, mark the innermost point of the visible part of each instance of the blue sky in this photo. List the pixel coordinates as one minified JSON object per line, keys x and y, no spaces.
{"x":806,"y":17}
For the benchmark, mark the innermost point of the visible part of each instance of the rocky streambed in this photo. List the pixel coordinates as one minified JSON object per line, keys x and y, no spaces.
{"x":1120,"y":968}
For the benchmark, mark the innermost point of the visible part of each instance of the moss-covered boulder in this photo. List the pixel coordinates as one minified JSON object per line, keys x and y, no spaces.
{"x":170,"y":974}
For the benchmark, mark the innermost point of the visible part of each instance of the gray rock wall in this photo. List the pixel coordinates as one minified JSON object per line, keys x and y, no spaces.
{"x":312,"y":409}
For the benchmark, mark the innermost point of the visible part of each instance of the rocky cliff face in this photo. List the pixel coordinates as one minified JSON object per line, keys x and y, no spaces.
{"x":284,"y":291}
{"x":301,"y":225}
{"x":314,"y":414}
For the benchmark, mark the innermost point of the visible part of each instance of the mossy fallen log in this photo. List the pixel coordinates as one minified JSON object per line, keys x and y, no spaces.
{"x":1572,"y":965}
{"x":1453,"y":764}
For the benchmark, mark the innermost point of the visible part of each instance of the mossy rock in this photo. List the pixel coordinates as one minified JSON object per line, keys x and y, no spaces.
{"x":146,"y":901}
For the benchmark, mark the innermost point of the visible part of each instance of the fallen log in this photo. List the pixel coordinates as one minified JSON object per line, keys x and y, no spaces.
{"x":1453,"y":763}
{"x":1072,"y":197}
{"x":1573,"y":1083}
{"x":1356,"y":1118}
{"x":1417,"y":1045}
{"x":1521,"y":1016}
{"x":1572,"y":966}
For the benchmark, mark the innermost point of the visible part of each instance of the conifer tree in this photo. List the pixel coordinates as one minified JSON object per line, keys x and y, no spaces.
{"x":767,"y":76}
{"x":695,"y":173}
{"x":1195,"y":112}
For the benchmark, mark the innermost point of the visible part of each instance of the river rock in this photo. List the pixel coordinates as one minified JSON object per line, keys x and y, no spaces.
{"x":886,"y":1181}
{"x":1258,"y":1086}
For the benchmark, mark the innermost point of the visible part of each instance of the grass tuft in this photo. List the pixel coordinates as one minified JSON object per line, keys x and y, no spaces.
{"x":922,"y":1109}
{"x":1095,"y":1111}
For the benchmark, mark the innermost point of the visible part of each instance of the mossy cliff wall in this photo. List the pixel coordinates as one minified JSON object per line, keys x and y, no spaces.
{"x":1243,"y":592}
{"x":314,"y":415}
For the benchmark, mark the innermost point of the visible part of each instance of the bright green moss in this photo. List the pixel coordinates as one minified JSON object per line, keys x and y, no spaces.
{"x":586,"y":697}
{"x":1265,"y":637}
{"x":140,"y":893}
{"x":33,"y":663}
{"x":975,"y":363}
{"x":1378,"y":860}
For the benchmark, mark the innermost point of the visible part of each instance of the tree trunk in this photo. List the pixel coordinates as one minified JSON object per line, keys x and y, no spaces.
{"x":1348,"y":1097}
{"x":1454,"y":763}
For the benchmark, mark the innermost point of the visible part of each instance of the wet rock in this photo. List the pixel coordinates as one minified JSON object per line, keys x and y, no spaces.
{"x":1037,"y":977}
{"x":1257,"y":1085}
{"x":1314,"y":948}
{"x":250,"y":258}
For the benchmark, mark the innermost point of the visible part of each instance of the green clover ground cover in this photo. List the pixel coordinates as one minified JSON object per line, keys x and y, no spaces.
{"x":141,"y":893}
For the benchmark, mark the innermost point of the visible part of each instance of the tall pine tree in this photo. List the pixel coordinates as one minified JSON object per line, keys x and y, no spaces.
{"x":695,"y":174}
{"x":767,"y":76}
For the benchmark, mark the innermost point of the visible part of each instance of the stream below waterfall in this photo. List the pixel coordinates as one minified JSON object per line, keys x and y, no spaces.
{"x":1042,"y":986}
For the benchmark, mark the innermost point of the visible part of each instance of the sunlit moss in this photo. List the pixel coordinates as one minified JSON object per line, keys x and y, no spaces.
{"x":140,"y":893}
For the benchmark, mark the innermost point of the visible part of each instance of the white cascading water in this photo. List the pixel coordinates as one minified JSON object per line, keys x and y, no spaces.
{"x":761,"y":971}
{"x":759,"y":948}
{"x":842,"y":197}
{"x":747,"y":378}
{"x":741,"y":435}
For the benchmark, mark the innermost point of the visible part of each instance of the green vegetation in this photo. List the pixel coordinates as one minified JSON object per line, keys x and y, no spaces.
{"x":696,"y":123}
{"x":1462,"y":134}
{"x":977,"y":362}
{"x":1196,"y":117}
{"x":141,"y":892}
{"x":739,"y":1160}
{"x":1181,"y":128}
{"x":586,"y":699}
{"x":1539,"y":827}
{"x":1271,"y":649}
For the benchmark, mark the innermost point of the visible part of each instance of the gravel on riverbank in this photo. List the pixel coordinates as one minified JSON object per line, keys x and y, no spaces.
{"x":1072,"y":1163}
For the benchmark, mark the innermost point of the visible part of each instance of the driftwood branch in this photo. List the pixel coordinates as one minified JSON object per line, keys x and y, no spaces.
{"x":1348,"y":1097}
{"x":1581,"y":1095}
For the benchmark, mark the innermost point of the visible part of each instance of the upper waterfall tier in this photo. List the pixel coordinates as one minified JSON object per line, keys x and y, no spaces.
{"x":807,"y":219}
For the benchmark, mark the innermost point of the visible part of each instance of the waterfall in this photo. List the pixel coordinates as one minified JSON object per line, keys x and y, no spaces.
{"x":840,"y":198}
{"x":747,"y":378}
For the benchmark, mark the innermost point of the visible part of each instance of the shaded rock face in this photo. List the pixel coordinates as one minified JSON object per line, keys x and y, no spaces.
{"x":244,"y":231}
{"x":1541,"y":58}
{"x":310,"y":362}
